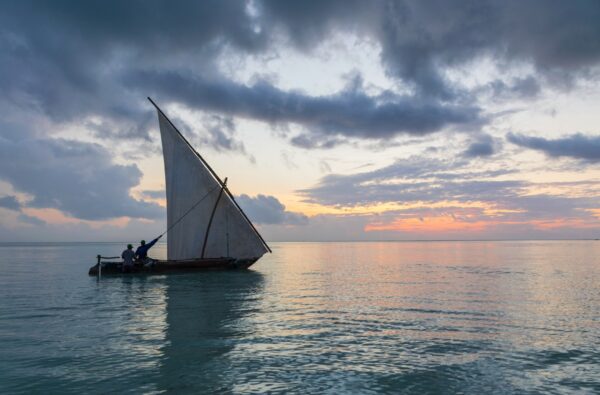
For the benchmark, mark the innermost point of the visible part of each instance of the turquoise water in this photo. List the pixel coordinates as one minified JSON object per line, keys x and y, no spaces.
{"x":312,"y":318}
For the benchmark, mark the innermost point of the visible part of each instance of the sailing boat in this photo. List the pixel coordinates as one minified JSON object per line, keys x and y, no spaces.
{"x":206,"y":227}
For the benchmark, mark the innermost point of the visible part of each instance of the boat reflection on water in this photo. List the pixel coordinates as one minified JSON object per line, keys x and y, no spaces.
{"x":206,"y":313}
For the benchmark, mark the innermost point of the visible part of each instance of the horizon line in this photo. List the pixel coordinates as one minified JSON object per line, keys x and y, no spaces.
{"x":318,"y":241}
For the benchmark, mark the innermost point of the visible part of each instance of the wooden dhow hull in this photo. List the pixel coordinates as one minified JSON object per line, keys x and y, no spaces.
{"x":172,"y":267}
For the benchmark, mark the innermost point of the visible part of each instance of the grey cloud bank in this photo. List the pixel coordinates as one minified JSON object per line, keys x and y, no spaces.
{"x":350,"y":113}
{"x":268,"y":210}
{"x":74,"y":177}
{"x":420,"y":39}
{"x":484,"y":145}
{"x":426,"y":181}
{"x":69,"y":60}
{"x":10,"y":202}
{"x":577,"y":146}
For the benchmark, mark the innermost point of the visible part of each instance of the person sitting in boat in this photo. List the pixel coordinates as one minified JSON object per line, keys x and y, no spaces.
{"x":128,"y":256}
{"x":141,"y":254}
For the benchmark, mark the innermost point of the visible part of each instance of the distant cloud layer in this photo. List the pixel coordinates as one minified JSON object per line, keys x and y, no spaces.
{"x":415,"y":179}
{"x":483,"y":145}
{"x":10,"y":202}
{"x":155,"y":193}
{"x":576,"y":146}
{"x":466,"y":196}
{"x":268,"y":210}
{"x":74,"y":177}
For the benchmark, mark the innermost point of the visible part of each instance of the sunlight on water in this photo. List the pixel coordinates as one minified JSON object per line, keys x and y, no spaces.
{"x":438,"y":317}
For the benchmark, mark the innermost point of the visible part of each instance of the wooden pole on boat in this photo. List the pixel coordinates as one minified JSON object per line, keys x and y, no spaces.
{"x":212,"y":215}
{"x":227,"y":231}
{"x":99,"y":266}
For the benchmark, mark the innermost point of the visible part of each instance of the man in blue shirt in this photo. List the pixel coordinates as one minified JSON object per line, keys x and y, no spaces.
{"x":141,"y":253}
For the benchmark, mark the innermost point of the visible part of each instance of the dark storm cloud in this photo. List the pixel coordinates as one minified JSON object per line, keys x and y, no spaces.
{"x":217,"y":132}
{"x":420,"y":39}
{"x":308,"y":141}
{"x":527,"y":87}
{"x":263,"y":209}
{"x":75,"y":177}
{"x":577,"y":146}
{"x":68,"y":59}
{"x":350,"y":112}
{"x":220,"y":134}
{"x":147,"y":25}
{"x":560,"y":39}
{"x":63,"y":58}
{"x":10,"y":202}
{"x":484,"y":145}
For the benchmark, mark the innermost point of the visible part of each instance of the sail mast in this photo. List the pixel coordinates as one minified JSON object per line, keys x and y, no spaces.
{"x":214,"y":174}
{"x":212,"y":215}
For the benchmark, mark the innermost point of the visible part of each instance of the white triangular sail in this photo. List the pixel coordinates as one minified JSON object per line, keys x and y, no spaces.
{"x":188,"y":180}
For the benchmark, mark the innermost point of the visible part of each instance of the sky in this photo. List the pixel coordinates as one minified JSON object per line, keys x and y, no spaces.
{"x":333,"y":120}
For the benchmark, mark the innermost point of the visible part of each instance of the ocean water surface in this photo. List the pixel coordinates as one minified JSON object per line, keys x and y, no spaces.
{"x":312,"y":318}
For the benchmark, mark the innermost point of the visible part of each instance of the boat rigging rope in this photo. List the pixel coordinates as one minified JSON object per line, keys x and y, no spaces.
{"x":190,"y":210}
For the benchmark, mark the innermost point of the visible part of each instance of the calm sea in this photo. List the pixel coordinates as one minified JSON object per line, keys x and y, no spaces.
{"x":311,"y":318}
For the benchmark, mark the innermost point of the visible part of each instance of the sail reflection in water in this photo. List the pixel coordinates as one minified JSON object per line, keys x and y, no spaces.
{"x":206,"y":316}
